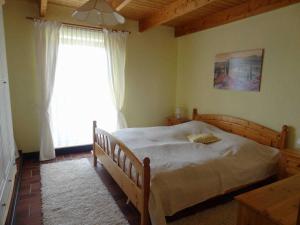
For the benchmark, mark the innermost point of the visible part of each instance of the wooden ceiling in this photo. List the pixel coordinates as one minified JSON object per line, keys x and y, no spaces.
{"x":186,"y":16}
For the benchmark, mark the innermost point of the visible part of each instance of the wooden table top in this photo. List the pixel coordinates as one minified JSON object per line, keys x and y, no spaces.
{"x":278,"y":201}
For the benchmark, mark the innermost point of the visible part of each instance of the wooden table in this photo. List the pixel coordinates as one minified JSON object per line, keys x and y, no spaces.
{"x":274,"y":204}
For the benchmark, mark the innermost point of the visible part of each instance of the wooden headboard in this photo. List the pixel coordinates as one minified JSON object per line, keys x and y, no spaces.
{"x":245,"y":128}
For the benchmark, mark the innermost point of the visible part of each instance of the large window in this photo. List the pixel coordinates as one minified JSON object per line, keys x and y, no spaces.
{"x":81,"y":91}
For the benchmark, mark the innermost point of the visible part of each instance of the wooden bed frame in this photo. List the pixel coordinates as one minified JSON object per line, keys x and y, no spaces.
{"x":120,"y":161}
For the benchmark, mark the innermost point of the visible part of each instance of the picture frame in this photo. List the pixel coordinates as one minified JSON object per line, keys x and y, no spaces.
{"x":241,"y":70}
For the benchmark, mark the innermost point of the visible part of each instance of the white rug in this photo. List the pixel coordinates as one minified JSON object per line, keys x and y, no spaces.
{"x":73,"y":194}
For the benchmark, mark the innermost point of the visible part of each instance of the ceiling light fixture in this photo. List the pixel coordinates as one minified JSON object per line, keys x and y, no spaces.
{"x":98,"y":12}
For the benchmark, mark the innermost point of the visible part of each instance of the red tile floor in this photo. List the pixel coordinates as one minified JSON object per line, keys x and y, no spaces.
{"x":29,"y":210}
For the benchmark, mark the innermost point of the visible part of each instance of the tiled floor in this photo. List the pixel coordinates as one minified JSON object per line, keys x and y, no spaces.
{"x":29,"y":211}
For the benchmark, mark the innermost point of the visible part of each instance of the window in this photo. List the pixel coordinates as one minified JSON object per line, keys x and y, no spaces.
{"x":81,"y":92}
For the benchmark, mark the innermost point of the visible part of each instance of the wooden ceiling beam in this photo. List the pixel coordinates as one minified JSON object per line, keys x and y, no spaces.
{"x":123,"y":4}
{"x":118,"y":5}
{"x":172,"y":11}
{"x":247,"y":9}
{"x":43,"y":8}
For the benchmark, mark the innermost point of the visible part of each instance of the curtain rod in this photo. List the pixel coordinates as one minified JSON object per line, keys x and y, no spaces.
{"x":83,"y":26}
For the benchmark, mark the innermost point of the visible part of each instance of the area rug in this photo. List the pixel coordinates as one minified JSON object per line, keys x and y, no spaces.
{"x":73,"y":194}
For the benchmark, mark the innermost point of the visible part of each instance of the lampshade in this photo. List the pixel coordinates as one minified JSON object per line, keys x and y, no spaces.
{"x":178,"y":112}
{"x":98,"y":12}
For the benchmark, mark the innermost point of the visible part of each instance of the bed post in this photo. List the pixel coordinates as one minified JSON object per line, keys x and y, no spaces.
{"x":145,"y":220}
{"x":282,"y":144}
{"x":283,"y":137}
{"x":195,"y":113}
{"x":94,"y":142}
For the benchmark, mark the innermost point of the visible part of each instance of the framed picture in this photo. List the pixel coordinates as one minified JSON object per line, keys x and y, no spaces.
{"x":239,"y":70}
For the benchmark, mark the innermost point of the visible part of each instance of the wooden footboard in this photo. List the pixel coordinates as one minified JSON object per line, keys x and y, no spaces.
{"x":132,"y":175}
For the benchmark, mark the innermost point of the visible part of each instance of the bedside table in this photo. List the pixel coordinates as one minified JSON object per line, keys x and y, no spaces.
{"x":172,"y":120}
{"x":290,"y":161}
{"x":274,"y":204}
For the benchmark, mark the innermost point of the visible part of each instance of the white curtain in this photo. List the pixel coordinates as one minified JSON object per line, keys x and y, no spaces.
{"x":115,"y":46}
{"x":81,"y":91}
{"x":47,"y":41}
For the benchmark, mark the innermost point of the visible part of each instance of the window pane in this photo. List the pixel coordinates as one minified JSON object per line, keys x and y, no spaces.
{"x":81,"y":95}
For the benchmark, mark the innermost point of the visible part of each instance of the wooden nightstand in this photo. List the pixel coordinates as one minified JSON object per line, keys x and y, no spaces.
{"x":290,"y":161}
{"x":274,"y":204}
{"x":172,"y":120}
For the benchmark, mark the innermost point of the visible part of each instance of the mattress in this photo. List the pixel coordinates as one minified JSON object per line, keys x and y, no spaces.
{"x":184,"y":174}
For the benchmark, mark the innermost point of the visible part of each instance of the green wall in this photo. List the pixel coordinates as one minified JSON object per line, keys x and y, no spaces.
{"x":278,"y":102}
{"x":150,"y":72}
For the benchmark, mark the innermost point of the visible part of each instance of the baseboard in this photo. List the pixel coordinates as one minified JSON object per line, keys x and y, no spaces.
{"x":11,"y":216}
{"x":31,"y":156}
{"x":60,"y":151}
{"x":75,"y":149}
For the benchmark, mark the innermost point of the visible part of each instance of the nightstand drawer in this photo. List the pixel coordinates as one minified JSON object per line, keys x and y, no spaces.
{"x":292,"y":168}
{"x":292,"y":161}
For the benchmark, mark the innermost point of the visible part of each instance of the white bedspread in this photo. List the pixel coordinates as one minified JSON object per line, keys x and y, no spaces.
{"x":184,"y":174}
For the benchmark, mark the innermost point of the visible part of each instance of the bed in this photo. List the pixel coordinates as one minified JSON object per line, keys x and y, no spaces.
{"x":183,"y":173}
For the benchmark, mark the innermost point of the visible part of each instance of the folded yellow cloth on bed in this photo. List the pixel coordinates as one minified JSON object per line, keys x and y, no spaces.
{"x":203,"y":138}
